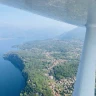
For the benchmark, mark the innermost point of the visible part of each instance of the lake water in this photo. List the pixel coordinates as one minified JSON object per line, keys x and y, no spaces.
{"x":11,"y":80}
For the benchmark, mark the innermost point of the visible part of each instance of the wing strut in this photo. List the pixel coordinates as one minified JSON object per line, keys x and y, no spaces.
{"x":85,"y":83}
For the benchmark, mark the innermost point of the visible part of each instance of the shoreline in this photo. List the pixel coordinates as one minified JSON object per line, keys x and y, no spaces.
{"x":18,"y":63}
{"x":6,"y":38}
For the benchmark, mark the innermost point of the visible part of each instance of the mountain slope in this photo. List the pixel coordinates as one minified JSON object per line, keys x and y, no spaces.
{"x":77,"y":33}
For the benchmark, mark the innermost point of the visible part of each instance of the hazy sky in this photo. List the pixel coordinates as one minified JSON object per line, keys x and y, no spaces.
{"x":26,"y":20}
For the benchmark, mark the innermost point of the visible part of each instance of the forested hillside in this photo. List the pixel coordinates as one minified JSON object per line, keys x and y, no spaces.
{"x":49,"y":67}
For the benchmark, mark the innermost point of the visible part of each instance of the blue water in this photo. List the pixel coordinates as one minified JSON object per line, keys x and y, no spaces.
{"x":11,"y":80}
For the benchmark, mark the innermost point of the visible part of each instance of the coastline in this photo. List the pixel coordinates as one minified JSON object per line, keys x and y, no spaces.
{"x":19,"y":63}
{"x":48,"y":70}
{"x":6,"y":38}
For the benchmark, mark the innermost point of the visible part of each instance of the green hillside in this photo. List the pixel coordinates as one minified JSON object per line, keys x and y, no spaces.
{"x":47,"y":65}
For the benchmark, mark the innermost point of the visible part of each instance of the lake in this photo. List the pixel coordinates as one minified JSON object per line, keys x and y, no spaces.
{"x":11,"y":80}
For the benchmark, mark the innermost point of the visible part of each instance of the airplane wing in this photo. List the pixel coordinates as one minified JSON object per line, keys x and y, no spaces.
{"x":70,"y":11}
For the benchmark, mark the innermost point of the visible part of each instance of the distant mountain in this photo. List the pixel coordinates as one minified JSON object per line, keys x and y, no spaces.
{"x":41,"y":34}
{"x":32,"y":34}
{"x":77,"y":33}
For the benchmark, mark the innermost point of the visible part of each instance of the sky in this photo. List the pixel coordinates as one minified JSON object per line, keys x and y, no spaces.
{"x":13,"y":17}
